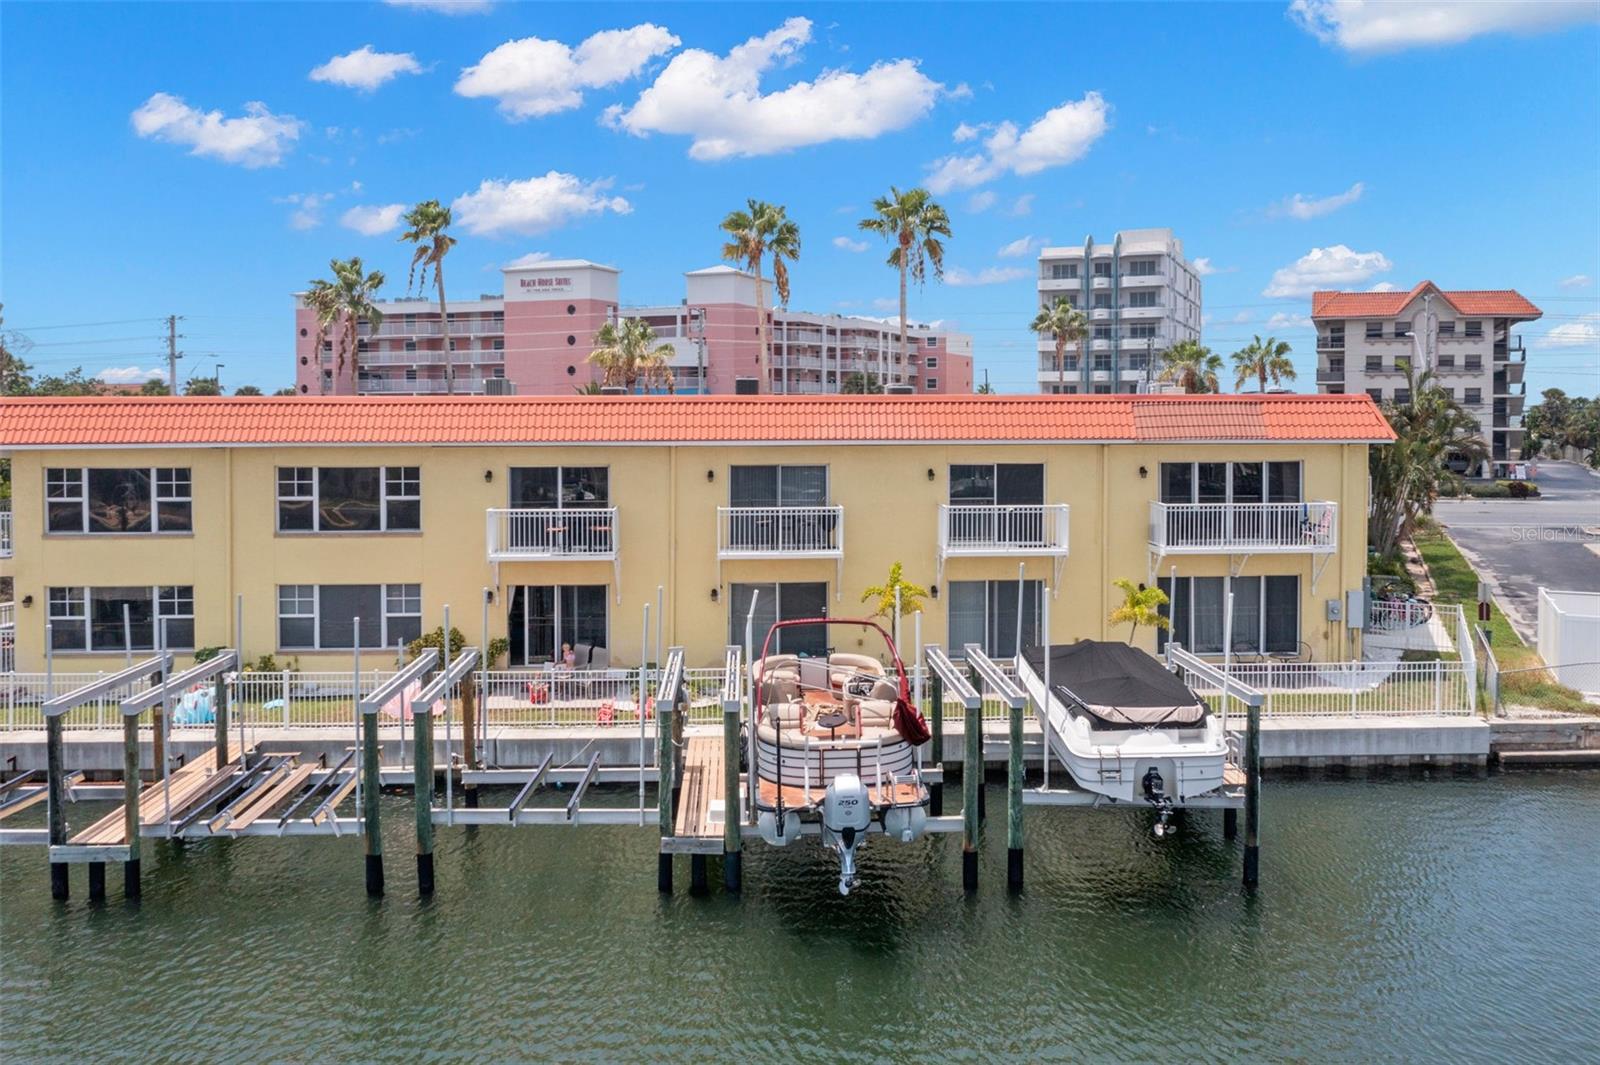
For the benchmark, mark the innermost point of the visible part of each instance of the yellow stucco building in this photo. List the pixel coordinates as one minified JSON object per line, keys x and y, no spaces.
{"x":565,"y":515}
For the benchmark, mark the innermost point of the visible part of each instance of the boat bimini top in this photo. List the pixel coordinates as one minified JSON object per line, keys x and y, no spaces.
{"x":1117,"y":686}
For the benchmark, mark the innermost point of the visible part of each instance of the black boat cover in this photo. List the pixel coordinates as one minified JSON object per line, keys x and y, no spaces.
{"x":1118,"y":686}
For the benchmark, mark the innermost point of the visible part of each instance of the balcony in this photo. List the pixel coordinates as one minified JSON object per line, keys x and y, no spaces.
{"x":1330,"y":376}
{"x":1508,"y":422}
{"x":1142,"y":280}
{"x":464,"y":383}
{"x":1330,"y":343}
{"x":1102,"y":282}
{"x":1243,"y":528}
{"x":550,"y":534}
{"x":1039,"y":529}
{"x":1100,"y":314}
{"x":780,"y":532}
{"x":1059,"y":284}
{"x":1135,"y":314}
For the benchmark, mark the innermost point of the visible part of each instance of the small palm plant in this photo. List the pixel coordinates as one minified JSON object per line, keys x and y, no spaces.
{"x":910,"y":595}
{"x":1140,"y":606}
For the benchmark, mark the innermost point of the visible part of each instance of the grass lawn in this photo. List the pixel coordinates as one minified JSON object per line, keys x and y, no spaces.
{"x":1455,"y":581}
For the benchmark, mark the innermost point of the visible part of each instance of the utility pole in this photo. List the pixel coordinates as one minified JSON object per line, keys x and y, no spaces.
{"x":172,"y":353}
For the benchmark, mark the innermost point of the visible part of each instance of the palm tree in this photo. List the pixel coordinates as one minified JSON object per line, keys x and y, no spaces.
{"x":911,"y":595}
{"x":754,"y":233}
{"x":913,"y":223}
{"x":345,"y":301}
{"x":1192,"y":366}
{"x":1066,"y":325}
{"x":856,"y":383}
{"x":1409,"y":474}
{"x":1262,"y":359}
{"x":1140,"y":606}
{"x":428,"y":222}
{"x":627,"y":354}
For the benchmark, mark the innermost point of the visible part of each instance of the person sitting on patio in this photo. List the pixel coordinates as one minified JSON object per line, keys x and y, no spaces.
{"x":569,"y":657}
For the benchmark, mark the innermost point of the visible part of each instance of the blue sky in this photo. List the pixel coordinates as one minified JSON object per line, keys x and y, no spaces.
{"x":207,"y":160}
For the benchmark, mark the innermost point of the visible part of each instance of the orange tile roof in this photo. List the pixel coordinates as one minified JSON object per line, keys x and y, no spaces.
{"x":1495,"y":303}
{"x":125,"y":421}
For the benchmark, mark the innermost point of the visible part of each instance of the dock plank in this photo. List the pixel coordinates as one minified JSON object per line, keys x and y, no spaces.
{"x":702,"y":779}
{"x":185,"y":783}
{"x":272,"y":796}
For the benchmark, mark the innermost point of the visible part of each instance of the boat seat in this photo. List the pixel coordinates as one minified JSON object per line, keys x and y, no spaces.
{"x":778,"y":664}
{"x":787,"y":714}
{"x":875,"y":713}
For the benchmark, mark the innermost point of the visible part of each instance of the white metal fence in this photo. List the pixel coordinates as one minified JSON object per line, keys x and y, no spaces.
{"x":745,"y":532}
{"x":1040,"y":529}
{"x":550,"y":532}
{"x":1207,"y":527}
{"x":1360,"y":689}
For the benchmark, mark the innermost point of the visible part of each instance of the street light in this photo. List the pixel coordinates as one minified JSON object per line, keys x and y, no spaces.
{"x":216,"y":375}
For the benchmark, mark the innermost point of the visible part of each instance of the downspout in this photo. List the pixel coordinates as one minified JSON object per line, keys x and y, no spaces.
{"x":1105,"y":534}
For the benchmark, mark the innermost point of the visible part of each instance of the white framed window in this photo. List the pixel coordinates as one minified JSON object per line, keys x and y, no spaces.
{"x":112,"y":619}
{"x":120,"y":501}
{"x":323,"y":617}
{"x":349,"y":499}
{"x":931,"y":362}
{"x":985,"y":613}
{"x":1266,"y":614}
{"x":933,"y":384}
{"x":780,"y":602}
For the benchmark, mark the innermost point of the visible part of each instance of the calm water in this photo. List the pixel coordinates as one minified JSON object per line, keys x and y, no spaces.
{"x":1452,"y":919}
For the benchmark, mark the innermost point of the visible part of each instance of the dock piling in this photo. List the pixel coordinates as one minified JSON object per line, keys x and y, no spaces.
{"x":666,"y":760}
{"x":371,"y":792}
{"x":219,"y":703}
{"x":130,"y":803}
{"x":1014,"y":800}
{"x":1252,"y":798}
{"x":1230,"y":824}
{"x":422,"y":781}
{"x":936,"y":790}
{"x":97,"y":881}
{"x":56,"y":796}
{"x":732,"y":814}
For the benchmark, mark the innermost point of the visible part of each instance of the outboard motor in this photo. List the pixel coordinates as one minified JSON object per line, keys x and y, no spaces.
{"x":1155,"y":792}
{"x":846,"y":813}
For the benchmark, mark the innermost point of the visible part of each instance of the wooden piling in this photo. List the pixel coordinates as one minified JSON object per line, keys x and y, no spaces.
{"x":972,"y":795}
{"x":977,"y":684}
{"x":697,"y":874}
{"x":936,"y":791}
{"x":665,"y":759}
{"x":1230,"y":824}
{"x":97,"y":881}
{"x":1252,"y":799}
{"x":219,"y":702}
{"x":469,"y":732}
{"x":422,"y":785}
{"x":56,"y":796}
{"x":1014,"y":801}
{"x":130,"y":803}
{"x":371,"y":792}
{"x":732,"y":840}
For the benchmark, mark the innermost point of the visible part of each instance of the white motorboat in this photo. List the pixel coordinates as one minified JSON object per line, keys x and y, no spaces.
{"x":1124,"y":726}
{"x":835,"y":747}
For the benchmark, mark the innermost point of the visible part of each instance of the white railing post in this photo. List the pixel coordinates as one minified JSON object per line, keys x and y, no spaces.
{"x":284,"y":681}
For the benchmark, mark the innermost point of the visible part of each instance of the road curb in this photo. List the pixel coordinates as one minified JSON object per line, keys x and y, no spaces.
{"x":1524,"y":628}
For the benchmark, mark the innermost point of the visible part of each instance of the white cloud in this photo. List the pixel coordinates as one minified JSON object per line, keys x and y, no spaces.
{"x":533,"y":205}
{"x":717,"y":100}
{"x":446,"y":7}
{"x":980,"y":202}
{"x":885,"y":303}
{"x":1060,"y":136}
{"x":373,"y":220}
{"x":1363,"y":26}
{"x":307,"y":213}
{"x":258,"y":138}
{"x":1022,"y":206}
{"x":1022,"y":246}
{"x":1305,"y":208}
{"x":1382,"y":286}
{"x":1322,"y":268}
{"x":1203,"y":267}
{"x":965,"y":132}
{"x":1576,"y":281}
{"x":989,"y":275}
{"x":365,"y":69}
{"x":1585,"y":332}
{"x":1288,"y":320}
{"x":850,"y":245}
{"x":1241,"y":317}
{"x":129,"y":375}
{"x":533,"y":77}
{"x":533,"y":258}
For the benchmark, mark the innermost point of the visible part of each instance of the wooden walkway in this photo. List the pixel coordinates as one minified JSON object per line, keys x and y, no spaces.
{"x":702,"y":790}
{"x":187,"y":785}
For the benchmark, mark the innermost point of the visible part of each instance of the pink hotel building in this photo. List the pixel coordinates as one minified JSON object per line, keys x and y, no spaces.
{"x":535,"y":340}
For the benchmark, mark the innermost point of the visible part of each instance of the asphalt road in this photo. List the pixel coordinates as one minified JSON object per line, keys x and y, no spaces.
{"x":1523,"y":545}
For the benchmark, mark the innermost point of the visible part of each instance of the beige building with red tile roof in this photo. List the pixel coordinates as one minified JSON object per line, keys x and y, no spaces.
{"x":558,"y":518}
{"x":1464,"y":337}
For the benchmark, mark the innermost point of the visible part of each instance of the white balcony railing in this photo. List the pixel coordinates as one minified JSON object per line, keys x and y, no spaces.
{"x":770,"y":532}
{"x":1039,"y":529}
{"x":551,"y":534}
{"x":1201,"y":528}
{"x":5,"y":534}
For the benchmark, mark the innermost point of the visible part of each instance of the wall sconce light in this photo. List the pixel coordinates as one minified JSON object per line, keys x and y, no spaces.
{"x":933,"y":590}
{"x":1143,"y":473}
{"x":930,"y":473}
{"x":711,"y":475}
{"x":715,"y":594}
{"x":27,"y":600}
{"x":488,"y":595}
{"x":488,"y":475}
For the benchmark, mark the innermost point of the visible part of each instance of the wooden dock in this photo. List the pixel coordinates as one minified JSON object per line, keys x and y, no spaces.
{"x":700,"y":820}
{"x":187,"y":785}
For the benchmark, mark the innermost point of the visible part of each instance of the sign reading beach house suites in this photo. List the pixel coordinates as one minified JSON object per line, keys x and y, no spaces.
{"x":561,"y":280}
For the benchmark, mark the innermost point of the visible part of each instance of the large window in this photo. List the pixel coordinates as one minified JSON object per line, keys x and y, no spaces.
{"x":1266,"y":614}
{"x":778,"y":486}
{"x":322,"y":617}
{"x":1140,"y":268}
{"x":561,"y":488}
{"x":142,"y":500}
{"x":1145,"y":298}
{"x":985,"y":613}
{"x":780,"y":602}
{"x":542,"y":617}
{"x":1230,"y":482}
{"x":334,"y":499}
{"x":755,"y":492}
{"x":115,"y":619}
{"x":992,"y":486}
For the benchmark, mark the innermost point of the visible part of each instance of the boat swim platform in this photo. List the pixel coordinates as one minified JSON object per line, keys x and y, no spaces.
{"x":1228,"y":797}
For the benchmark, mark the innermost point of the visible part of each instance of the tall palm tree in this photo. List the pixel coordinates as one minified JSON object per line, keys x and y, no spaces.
{"x":627,"y":355}
{"x":1409,"y":474}
{"x":1192,"y":366}
{"x":346,"y":301}
{"x":912,"y":222}
{"x":1262,"y":359}
{"x":1065,"y":325}
{"x":753,"y":234}
{"x":1140,"y":606}
{"x":426,"y":224}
